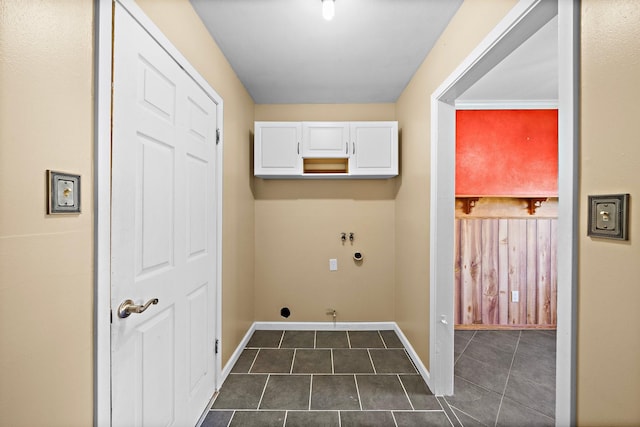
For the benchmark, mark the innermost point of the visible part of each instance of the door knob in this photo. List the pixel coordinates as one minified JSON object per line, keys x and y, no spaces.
{"x":127,"y":307}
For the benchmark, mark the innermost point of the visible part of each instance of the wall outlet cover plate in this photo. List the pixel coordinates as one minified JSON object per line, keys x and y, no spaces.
{"x":63,"y":193}
{"x":609,"y":216}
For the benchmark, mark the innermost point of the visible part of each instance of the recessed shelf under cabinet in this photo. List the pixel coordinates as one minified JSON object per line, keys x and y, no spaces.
{"x":324,"y":166}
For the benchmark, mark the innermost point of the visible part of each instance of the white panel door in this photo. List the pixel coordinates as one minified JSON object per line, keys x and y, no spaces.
{"x":163,"y":235}
{"x":325,"y":139}
{"x":374,"y":149}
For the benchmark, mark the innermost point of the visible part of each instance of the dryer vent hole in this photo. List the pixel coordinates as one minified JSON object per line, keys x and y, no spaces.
{"x":285,"y":312}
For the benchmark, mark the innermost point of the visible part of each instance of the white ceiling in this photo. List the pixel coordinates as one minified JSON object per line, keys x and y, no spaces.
{"x":284,"y":52}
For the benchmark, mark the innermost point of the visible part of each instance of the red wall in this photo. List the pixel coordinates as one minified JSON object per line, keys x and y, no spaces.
{"x":507,"y":153}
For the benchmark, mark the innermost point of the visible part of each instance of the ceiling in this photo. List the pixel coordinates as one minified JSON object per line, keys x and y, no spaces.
{"x":284,"y":52}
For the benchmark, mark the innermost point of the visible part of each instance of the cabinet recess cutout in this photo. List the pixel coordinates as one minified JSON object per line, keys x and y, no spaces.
{"x":320,"y":166}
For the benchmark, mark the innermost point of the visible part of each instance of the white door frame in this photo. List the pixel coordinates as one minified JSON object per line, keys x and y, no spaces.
{"x":102,"y":187}
{"x":521,"y":22}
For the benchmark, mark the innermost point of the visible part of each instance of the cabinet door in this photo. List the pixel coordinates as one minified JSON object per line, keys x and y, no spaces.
{"x":277,"y":148}
{"x":325,"y":139}
{"x":374,"y":149}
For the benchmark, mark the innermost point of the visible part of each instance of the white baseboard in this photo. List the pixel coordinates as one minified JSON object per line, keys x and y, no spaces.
{"x":324,"y":326}
{"x":414,"y":356}
{"x":327,"y":326}
{"x":236,"y":355}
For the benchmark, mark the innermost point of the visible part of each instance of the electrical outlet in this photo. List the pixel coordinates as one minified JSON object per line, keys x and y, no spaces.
{"x":515,"y":296}
{"x":333,"y":264}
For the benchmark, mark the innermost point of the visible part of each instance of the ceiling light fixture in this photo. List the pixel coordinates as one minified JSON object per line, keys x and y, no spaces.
{"x":328,"y":9}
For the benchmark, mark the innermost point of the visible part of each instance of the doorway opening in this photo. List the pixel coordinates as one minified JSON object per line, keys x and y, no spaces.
{"x":506,"y":230}
{"x":527,"y":17}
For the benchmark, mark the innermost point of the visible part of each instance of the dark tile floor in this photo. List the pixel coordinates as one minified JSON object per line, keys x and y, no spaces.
{"x":365,"y":378}
{"x":326,"y":378}
{"x":504,"y":378}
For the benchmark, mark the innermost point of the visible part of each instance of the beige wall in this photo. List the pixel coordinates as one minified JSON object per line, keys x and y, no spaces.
{"x":179,"y":22}
{"x":298,"y":225}
{"x":609,"y":288}
{"x":46,"y":282}
{"x":473,"y":21}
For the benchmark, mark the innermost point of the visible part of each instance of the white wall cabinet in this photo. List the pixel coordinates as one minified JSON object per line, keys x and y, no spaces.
{"x":325,"y":139}
{"x":326,"y":150}
{"x":277,"y":149}
{"x":374,"y":148}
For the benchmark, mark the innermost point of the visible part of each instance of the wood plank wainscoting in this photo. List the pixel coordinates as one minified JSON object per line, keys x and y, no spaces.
{"x":495,"y":256}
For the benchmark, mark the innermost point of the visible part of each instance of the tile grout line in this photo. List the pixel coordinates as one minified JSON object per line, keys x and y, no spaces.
{"x":253,"y":362}
{"x":348,"y":339}
{"x":465,"y":347}
{"x":293,"y":360}
{"x":315,"y":339}
{"x":281,"y":339}
{"x":375,"y":372}
{"x":382,"y":339}
{"x":442,"y":406}
{"x":405,"y":392}
{"x":262,"y":410}
{"x":453,"y":412}
{"x":463,"y":412}
{"x":506,"y":383}
{"x":333,"y":369}
{"x":456,"y":417}
{"x":230,"y":418}
{"x":357,"y":391}
{"x":479,"y":385}
{"x":310,"y":390}
{"x":284,"y":422}
{"x":446,"y":413}
{"x":393,"y":417}
{"x":264,"y":389}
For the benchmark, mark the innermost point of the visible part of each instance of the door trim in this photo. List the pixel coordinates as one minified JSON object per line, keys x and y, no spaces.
{"x":523,"y":20}
{"x":102,"y":215}
{"x":102,"y":189}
